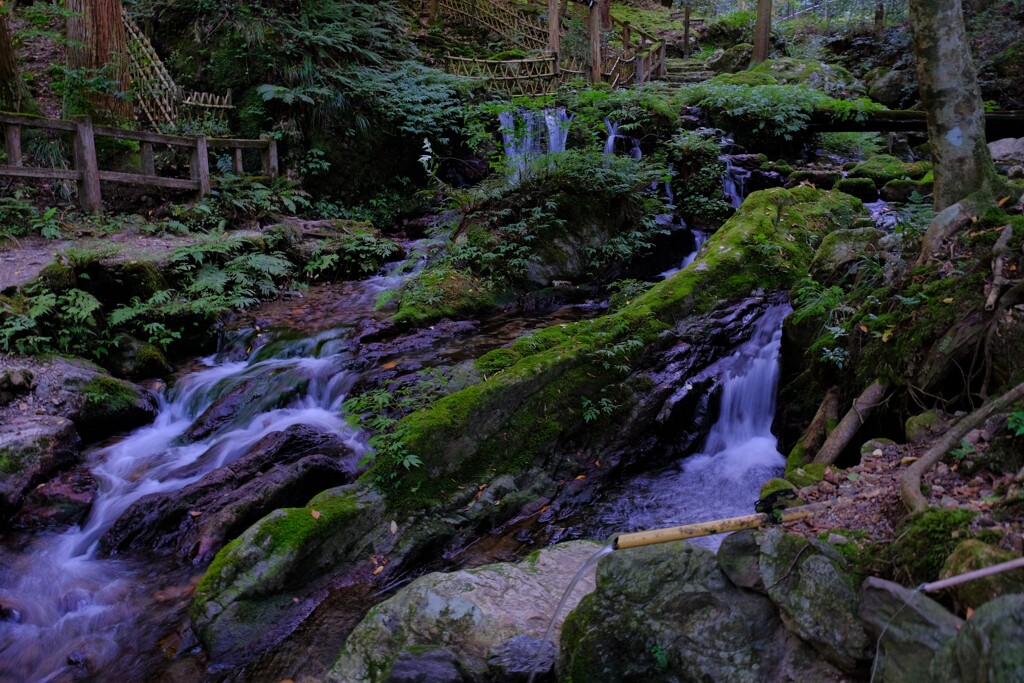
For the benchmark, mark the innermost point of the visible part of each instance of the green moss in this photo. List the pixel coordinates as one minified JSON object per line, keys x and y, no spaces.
{"x":10,"y":463}
{"x":883,"y":168}
{"x":514,"y":420}
{"x":497,"y":360}
{"x":823,"y":179}
{"x":109,"y":396}
{"x":774,"y":486}
{"x":750,"y":78}
{"x":922,"y":546}
{"x":806,"y":475}
{"x":445,"y":292}
{"x":861,"y":188}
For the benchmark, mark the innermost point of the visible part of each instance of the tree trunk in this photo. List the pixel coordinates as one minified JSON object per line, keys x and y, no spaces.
{"x":879,"y":17}
{"x":952,"y":101}
{"x":98,"y":45}
{"x":11,"y":89}
{"x":762,"y":31}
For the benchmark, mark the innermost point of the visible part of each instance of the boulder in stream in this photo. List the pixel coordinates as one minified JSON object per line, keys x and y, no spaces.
{"x":489,"y":620}
{"x":32,"y":449}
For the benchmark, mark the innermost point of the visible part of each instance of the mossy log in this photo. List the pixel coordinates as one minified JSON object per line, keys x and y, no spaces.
{"x":998,"y":125}
{"x":859,"y":412}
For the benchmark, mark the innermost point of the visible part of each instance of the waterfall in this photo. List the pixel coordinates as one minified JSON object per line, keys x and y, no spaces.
{"x":734,"y":181}
{"x":739,"y":453}
{"x":613,"y":132}
{"x":699,"y":237}
{"x":542,"y":131}
{"x":64,"y":604}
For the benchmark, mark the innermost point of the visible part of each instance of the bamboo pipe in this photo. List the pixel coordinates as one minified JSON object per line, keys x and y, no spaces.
{"x":681,"y":533}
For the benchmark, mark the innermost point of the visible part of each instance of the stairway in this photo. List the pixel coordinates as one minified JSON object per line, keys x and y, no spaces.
{"x":686,"y":71}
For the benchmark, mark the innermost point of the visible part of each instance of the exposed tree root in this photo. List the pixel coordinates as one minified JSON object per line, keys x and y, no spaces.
{"x":817,"y":431}
{"x":862,"y":408}
{"x":910,"y":482}
{"x":949,"y":222}
{"x":999,"y":252}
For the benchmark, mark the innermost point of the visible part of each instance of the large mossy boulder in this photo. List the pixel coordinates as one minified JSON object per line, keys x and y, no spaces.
{"x":32,"y":449}
{"x":262,"y":584}
{"x":817,"y":596}
{"x":971,"y":555}
{"x":831,"y":78}
{"x":989,"y":648}
{"x":883,"y":168}
{"x":842,"y":248}
{"x":477,"y":616}
{"x":896,"y":89}
{"x":736,"y":58}
{"x":514,"y":420}
{"x":668,"y":613}
{"x":910,"y":628}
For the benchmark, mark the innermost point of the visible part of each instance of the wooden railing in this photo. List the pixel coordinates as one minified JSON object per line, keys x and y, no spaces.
{"x":517,"y":77}
{"x":158,"y":95}
{"x":88,"y":175}
{"x":641,"y":59}
{"x":515,"y":25}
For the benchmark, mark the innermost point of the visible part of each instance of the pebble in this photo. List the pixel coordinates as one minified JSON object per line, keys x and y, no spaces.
{"x":838,"y":539}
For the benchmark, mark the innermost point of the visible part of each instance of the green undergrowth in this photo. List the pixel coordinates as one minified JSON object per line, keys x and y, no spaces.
{"x":926,"y":541}
{"x":531,"y":400}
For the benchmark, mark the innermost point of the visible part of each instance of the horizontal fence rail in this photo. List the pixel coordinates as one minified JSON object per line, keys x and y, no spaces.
{"x":87,"y":173}
{"x":515,"y":25}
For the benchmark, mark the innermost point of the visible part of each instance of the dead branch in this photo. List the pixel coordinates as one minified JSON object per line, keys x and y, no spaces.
{"x":910,"y":482}
{"x":862,"y":408}
{"x":999,"y":252}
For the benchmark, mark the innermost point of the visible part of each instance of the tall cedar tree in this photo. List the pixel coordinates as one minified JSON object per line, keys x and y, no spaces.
{"x":11,"y":90}
{"x":762,"y":31}
{"x":98,"y":45}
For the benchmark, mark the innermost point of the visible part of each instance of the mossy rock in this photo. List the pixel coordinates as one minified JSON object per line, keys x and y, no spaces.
{"x":239,"y":603}
{"x":842,"y":248}
{"x":989,"y":646}
{"x":515,"y":419}
{"x":922,"y":427}
{"x":830,"y":78}
{"x":748,"y":78}
{"x":883,"y":168}
{"x":862,"y":188}
{"x":774,"y":486}
{"x":32,"y":449}
{"x":825,"y":180}
{"x":971,"y":555}
{"x":922,"y":546}
{"x":806,"y":475}
{"x":903,"y":190}
{"x":736,"y":58}
{"x":445,"y":293}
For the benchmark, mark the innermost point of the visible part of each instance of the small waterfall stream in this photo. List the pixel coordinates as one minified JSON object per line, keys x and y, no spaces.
{"x":739,"y":453}
{"x":526,"y":133}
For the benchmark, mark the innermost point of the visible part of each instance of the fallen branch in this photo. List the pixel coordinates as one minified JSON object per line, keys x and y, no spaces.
{"x":862,"y":408}
{"x":817,"y":430}
{"x":999,"y":252}
{"x":910,"y":482}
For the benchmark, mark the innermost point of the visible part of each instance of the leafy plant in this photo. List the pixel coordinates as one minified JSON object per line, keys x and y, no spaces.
{"x":1015,"y":421}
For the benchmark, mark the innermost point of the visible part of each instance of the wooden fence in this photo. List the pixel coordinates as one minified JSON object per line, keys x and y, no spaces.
{"x":517,"y":77}
{"x":88,"y":175}
{"x":515,"y":25}
{"x":640,"y":59}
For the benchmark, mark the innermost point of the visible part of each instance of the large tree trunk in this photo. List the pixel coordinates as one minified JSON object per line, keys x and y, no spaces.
{"x":10,"y":82}
{"x":952,"y":101}
{"x":97,"y":44}
{"x":762,"y":31}
{"x":879,"y":17}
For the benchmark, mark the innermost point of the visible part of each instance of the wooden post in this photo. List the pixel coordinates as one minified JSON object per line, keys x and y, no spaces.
{"x":762,"y":31}
{"x":596,"y":66}
{"x":626,"y":37}
{"x":269,"y":157}
{"x":236,"y":161}
{"x":199,"y":166}
{"x":686,"y":31}
{"x":641,"y":69}
{"x":661,"y":61}
{"x":432,"y":12}
{"x":148,"y":161}
{"x":89,"y":197}
{"x":554,"y":28}
{"x":12,"y":135}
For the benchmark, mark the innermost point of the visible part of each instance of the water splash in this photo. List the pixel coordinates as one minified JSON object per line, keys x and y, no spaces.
{"x":739,"y":453}
{"x":699,"y":237}
{"x":527,"y":134}
{"x":613,"y":132}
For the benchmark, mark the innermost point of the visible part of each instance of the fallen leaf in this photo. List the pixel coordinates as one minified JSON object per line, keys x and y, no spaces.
{"x":887,"y":335}
{"x":863,"y":328}
{"x":970,"y":612}
{"x":378,"y":570}
{"x":194,"y":513}
{"x":948,"y":300}
{"x":315,"y":514}
{"x":394,"y":527}
{"x":907,"y":460}
{"x":853,"y":476}
{"x":295,"y":600}
{"x":1004,"y":200}
{"x":389,"y":365}
{"x":582,"y":476}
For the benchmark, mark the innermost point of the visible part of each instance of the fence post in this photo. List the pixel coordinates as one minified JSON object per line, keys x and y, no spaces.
{"x":269,"y":157}
{"x":641,"y":69}
{"x":661,"y":61}
{"x":89,"y":197}
{"x":148,"y":161}
{"x":554,"y":28}
{"x":595,"y":44}
{"x":199,"y":166}
{"x":12,"y":135}
{"x":236,"y":160}
{"x":626,"y":36}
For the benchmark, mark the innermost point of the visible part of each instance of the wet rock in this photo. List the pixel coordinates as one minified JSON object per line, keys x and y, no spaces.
{"x":14,"y":382}
{"x":989,"y":647}
{"x":896,"y":89}
{"x":432,"y":666}
{"x":739,"y":558}
{"x":264,"y":583}
{"x":32,"y":449}
{"x":807,"y":579}
{"x":474,"y":614}
{"x":667,"y":612}
{"x":911,"y":629}
{"x":516,"y":658}
{"x":903,"y":190}
{"x":135,"y":359}
{"x":246,"y":399}
{"x":862,"y":188}
{"x":58,"y":504}
{"x":283,"y":469}
{"x":971,"y":555}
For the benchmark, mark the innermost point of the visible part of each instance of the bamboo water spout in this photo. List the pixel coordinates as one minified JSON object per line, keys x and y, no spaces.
{"x":721,"y":526}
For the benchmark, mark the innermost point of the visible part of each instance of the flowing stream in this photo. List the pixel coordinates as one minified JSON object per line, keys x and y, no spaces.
{"x":738,"y":455}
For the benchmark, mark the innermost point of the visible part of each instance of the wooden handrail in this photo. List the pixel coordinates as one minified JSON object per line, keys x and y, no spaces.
{"x":86,"y":169}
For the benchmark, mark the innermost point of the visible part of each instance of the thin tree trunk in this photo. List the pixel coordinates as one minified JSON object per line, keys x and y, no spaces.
{"x":879,"y":17}
{"x":952,"y":101}
{"x":97,"y":44}
{"x":762,"y":31}
{"x":859,"y":412}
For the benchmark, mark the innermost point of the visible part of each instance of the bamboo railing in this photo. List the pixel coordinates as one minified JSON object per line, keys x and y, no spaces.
{"x":515,"y":25}
{"x":88,"y":175}
{"x":517,"y":77}
{"x":158,"y":95}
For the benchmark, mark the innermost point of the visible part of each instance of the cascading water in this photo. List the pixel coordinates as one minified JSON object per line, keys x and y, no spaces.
{"x":734,"y":181}
{"x":699,"y":238}
{"x":739,"y":453}
{"x":70,"y":613}
{"x":523,"y":144}
{"x":613,"y":132}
